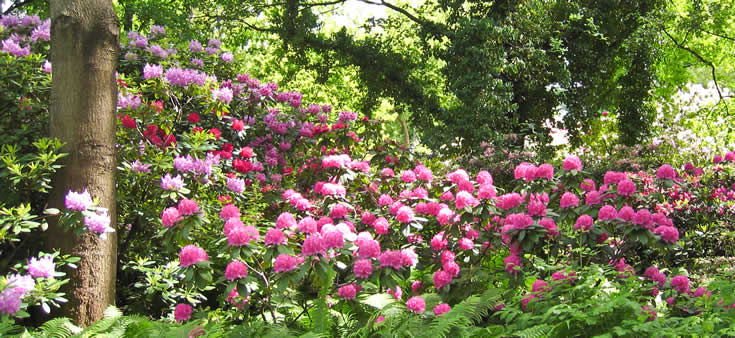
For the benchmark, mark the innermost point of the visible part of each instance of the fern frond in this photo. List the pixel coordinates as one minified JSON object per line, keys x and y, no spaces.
{"x":57,"y":328}
{"x":534,"y":331}
{"x":469,"y":311}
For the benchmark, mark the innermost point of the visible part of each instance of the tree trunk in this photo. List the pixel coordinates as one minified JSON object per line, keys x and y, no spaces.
{"x":84,"y":50}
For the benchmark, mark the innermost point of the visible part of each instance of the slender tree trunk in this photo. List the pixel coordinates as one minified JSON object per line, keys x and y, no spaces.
{"x":84,"y":48}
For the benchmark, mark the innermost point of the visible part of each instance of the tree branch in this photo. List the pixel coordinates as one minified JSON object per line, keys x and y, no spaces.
{"x":700,"y":58}
{"x":17,"y":5}
{"x":719,"y":35}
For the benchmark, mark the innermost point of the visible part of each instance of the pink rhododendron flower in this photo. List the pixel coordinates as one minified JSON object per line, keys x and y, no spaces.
{"x":540,"y":285}
{"x":332,"y":189}
{"x":336,"y":161}
{"x":536,"y":207}
{"x":592,"y":198}
{"x":381,"y":226}
{"x":368,"y":248}
{"x":236,"y":185}
{"x":625,"y":269}
{"x":363,"y":268}
{"x":643,"y":218}
{"x":441,"y":279}
{"x":423,"y":173}
{"x":416,"y":304}
{"x":466,"y":243}
{"x":333,"y":239}
{"x":307,"y":225}
{"x":409,"y":257}
{"x":458,"y":176}
{"x":275,"y":237}
{"x":526,"y":171}
{"x":41,"y":267}
{"x":391,"y":258}
{"x":613,"y":177}
{"x":313,"y":245}
{"x":568,"y":200}
{"x":384,"y":200}
{"x":187,"y":207}
{"x":626,"y":213}
{"x":240,"y":235}
{"x":465,"y":199}
{"x":444,"y":216}
{"x":451,"y":268}
{"x":438,"y":242}
{"x":182,"y":312}
{"x":486,"y":192}
{"x":416,"y":286}
{"x":172,"y":183}
{"x":408,"y":176}
{"x":229,"y":211}
{"x":192,"y":254}
{"x":78,"y":201}
{"x":338,"y":211}
{"x":236,"y":270}
{"x":98,"y":223}
{"x":387,"y":172}
{"x":572,"y":162}
{"x":545,"y":171}
{"x":441,"y":309}
{"x":285,"y":263}
{"x":405,"y":214}
{"x":484,"y":177}
{"x":285,"y":220}
{"x":347,"y":292}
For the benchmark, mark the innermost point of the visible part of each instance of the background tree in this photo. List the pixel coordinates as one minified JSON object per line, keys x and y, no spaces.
{"x":84,"y":48}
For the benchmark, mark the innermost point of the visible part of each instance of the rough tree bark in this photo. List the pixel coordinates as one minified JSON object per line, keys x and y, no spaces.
{"x":84,"y":48}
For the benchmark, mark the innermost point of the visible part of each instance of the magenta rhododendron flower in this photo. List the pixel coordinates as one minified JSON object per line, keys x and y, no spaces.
{"x":387,"y":172}
{"x":568,"y":200}
{"x":458,"y":176}
{"x":607,"y":213}
{"x":98,"y":223}
{"x":508,"y":201}
{"x":409,"y":257}
{"x":416,"y":304}
{"x":236,"y":270}
{"x":680,"y":283}
{"x":441,"y":309}
{"x":78,"y":201}
{"x":667,"y":172}
{"x":333,"y":239}
{"x":550,"y":226}
{"x":613,"y":177}
{"x":626,"y":213}
{"x":643,"y":219}
{"x":391,"y":258}
{"x":183,"y":312}
{"x":285,"y":263}
{"x":668,"y":234}
{"x":587,"y":185}
{"x":347,"y":292}
{"x":592,"y":198}
{"x":466,"y":243}
{"x":511,"y":263}
{"x":192,"y":254}
{"x":540,"y":285}
{"x":338,"y":211}
{"x":584,"y":222}
{"x":41,"y":267}
{"x":486,"y":192}
{"x":626,"y":187}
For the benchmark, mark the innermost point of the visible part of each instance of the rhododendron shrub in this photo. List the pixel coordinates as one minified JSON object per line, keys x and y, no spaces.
{"x":237,"y":194}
